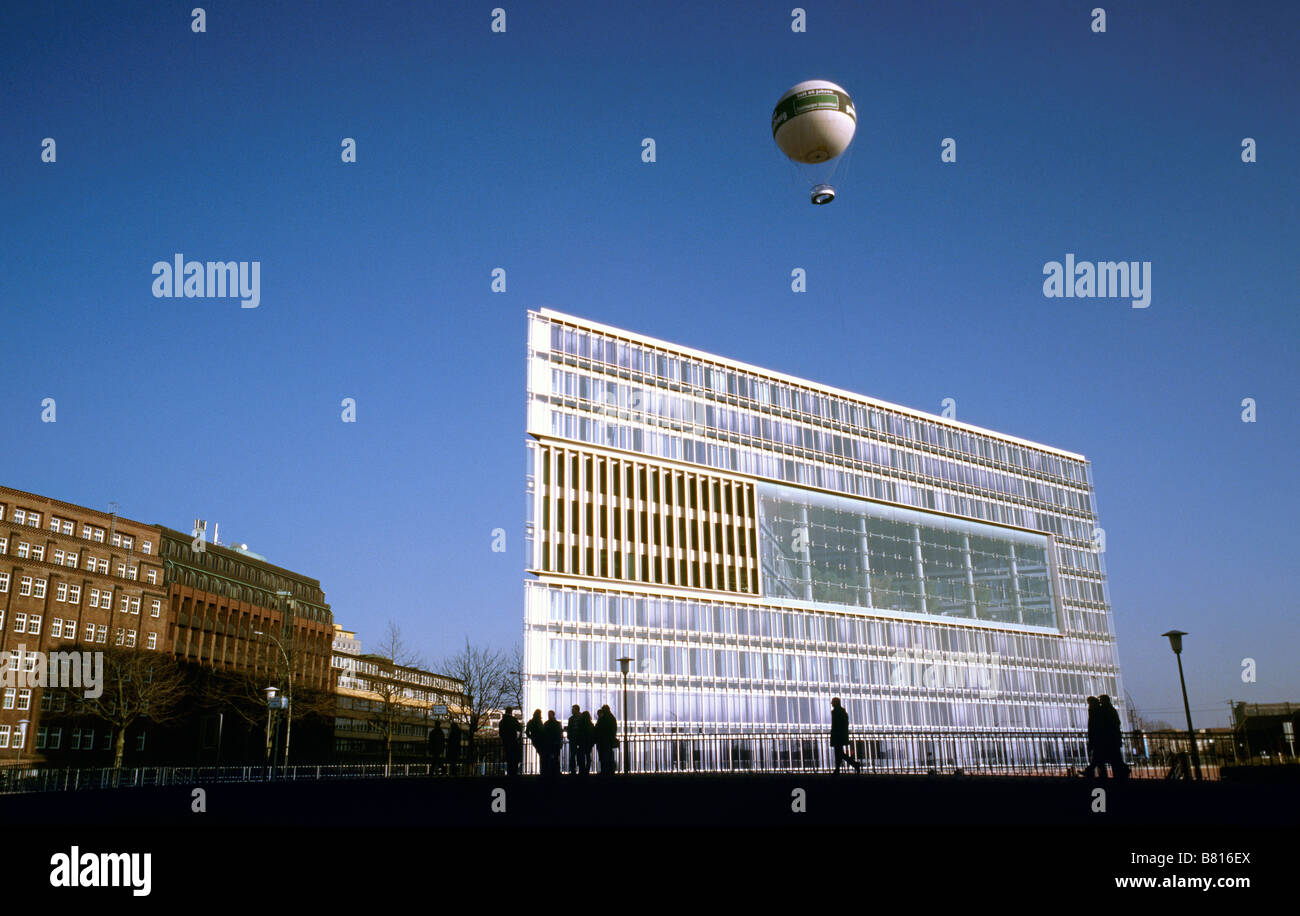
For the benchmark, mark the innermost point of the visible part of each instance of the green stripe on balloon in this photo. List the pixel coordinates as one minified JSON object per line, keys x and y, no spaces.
{"x":812,"y":100}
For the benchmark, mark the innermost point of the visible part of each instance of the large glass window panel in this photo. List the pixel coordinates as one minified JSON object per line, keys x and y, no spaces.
{"x":826,"y":549}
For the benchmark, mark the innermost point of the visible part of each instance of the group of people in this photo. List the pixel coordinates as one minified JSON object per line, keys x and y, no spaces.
{"x":445,"y":748}
{"x":1105,"y":742}
{"x":547,"y":738}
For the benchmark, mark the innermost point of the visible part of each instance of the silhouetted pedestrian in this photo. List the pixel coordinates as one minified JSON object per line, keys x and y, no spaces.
{"x":606,"y":740}
{"x":437,"y":746}
{"x":511,"y":748}
{"x":575,"y":738}
{"x":1112,"y":749}
{"x":588,"y":741}
{"x":553,"y":741}
{"x":453,"y":749}
{"x":1096,"y":765}
{"x":536,"y":738}
{"x":840,"y":736}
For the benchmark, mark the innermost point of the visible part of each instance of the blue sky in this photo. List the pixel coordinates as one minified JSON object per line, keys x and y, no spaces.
{"x":522,"y":150}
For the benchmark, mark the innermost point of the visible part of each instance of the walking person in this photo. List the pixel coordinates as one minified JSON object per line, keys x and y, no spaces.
{"x":1096,"y":762}
{"x":511,"y":749}
{"x":606,"y":739}
{"x":575,"y":738}
{"x":533,"y":732}
{"x":437,"y":746}
{"x":553,"y":741}
{"x":1112,"y":738}
{"x":453,"y":749}
{"x":840,"y":736}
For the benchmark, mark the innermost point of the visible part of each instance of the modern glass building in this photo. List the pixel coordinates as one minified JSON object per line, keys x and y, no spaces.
{"x":759,"y":543}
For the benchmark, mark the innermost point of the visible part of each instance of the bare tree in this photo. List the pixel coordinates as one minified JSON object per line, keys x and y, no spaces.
{"x":486,"y":676}
{"x":393,"y":700}
{"x":138,"y":685}
{"x":516,"y":674}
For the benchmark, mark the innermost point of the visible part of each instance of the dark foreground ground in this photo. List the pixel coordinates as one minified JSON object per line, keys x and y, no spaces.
{"x":1011,"y":836}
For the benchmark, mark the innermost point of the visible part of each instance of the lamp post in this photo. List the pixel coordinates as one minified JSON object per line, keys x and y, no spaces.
{"x":1176,"y":643}
{"x":270,"y":704}
{"x":288,"y":725}
{"x":625,"y":663}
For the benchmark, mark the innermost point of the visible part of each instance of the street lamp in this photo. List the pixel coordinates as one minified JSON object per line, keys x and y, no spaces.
{"x":1176,"y":643}
{"x":288,"y":725}
{"x":624,"y":663}
{"x":270,"y":704}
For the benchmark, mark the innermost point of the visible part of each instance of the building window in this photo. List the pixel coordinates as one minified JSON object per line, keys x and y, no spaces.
{"x":106,"y":599}
{"x":153,"y":641}
{"x":25,"y":585}
{"x":38,"y":552}
{"x":101,"y":633}
{"x":94,"y":597}
{"x":67,"y":527}
{"x":4,"y":545}
{"x":119,"y":636}
{"x":99,"y":535}
{"x":4,"y":581}
{"x":34,"y":627}
{"x":20,"y":516}
{"x":71,"y":560}
{"x":34,"y":519}
{"x":74,"y":594}
{"x":86,"y":532}
{"x":135,"y":605}
{"x":56,"y":628}
{"x":25,"y":698}
{"x":56,"y":738}
{"x":103,"y":567}
{"x":75,"y":743}
{"x":39,"y":588}
{"x":11,"y":695}
{"x":61,"y":593}
{"x":54,"y":523}
{"x":24,"y":549}
{"x":155,"y":607}
{"x":146,"y":547}
{"x":20,"y":623}
{"x":130,"y":639}
{"x":132,"y":572}
{"x":151,"y":576}
{"x":125,"y":606}
{"x":121,"y":570}
{"x":90,"y":632}
{"x":40,"y":738}
{"x":58,"y":558}
{"x":128,"y":543}
{"x":4,"y":735}
{"x":117,"y":539}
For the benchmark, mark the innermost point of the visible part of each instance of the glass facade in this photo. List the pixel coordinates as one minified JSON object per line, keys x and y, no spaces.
{"x":758,"y":544}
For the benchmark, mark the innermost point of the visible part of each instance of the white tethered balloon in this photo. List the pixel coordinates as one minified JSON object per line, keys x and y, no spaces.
{"x":813,"y":123}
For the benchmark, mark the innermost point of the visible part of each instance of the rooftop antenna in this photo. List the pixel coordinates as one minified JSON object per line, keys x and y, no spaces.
{"x":112,"y":524}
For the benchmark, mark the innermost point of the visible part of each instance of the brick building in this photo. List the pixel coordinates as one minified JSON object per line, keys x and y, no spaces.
{"x":72,"y":579}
